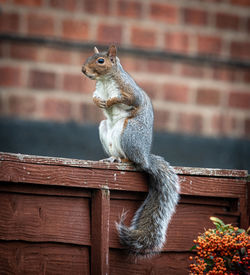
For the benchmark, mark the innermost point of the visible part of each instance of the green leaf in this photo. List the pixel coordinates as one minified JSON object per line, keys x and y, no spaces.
{"x":217,"y":221}
{"x":193,"y":247}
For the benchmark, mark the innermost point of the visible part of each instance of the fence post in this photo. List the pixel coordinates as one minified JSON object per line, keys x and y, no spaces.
{"x":100,"y":232}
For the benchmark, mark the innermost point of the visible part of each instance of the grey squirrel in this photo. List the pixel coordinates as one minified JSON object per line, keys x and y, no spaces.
{"x":126,"y":134}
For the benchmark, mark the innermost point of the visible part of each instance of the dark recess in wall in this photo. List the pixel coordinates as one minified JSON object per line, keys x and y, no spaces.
{"x":72,"y":140}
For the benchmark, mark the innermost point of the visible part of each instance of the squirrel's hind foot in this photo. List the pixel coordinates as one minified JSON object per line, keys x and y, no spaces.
{"x":112,"y":159}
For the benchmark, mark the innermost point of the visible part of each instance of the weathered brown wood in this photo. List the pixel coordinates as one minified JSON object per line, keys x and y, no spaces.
{"x":44,"y":190}
{"x":115,"y":180}
{"x":52,"y":203}
{"x":165,"y":263}
{"x":71,"y":176}
{"x":116,"y":166}
{"x":188,"y":221}
{"x":100,"y":232}
{"x":44,"y":218}
{"x":214,"y":187}
{"x":43,"y":258}
{"x":248,"y":201}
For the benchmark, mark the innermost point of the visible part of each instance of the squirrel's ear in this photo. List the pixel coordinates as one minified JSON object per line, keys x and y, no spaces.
{"x":112,"y":53}
{"x":96,"y":50}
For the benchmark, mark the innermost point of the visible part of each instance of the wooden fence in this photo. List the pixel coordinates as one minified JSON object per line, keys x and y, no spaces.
{"x":57,"y":216}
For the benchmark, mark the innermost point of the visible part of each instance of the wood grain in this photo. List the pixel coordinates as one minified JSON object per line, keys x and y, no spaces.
{"x":188,"y":221}
{"x":48,"y":190}
{"x":100,"y":232}
{"x":114,"y":180}
{"x":117,"y":166}
{"x":165,"y":263}
{"x":44,"y":218}
{"x":54,"y":212}
{"x":43,"y":258}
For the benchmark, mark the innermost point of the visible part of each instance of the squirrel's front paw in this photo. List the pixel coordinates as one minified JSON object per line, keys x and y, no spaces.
{"x":100,"y":102}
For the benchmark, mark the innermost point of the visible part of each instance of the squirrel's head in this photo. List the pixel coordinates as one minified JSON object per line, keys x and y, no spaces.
{"x":100,"y":65}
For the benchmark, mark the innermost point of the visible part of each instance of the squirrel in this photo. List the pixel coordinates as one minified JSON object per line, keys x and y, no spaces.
{"x":126,"y":135}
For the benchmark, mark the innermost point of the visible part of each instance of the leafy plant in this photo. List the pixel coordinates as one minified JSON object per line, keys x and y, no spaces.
{"x":223,"y":250}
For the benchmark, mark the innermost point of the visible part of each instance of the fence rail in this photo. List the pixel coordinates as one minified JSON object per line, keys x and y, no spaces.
{"x":57,"y":216}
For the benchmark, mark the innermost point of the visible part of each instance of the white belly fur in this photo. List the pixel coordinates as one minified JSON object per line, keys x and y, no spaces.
{"x":110,"y":135}
{"x":110,"y":130}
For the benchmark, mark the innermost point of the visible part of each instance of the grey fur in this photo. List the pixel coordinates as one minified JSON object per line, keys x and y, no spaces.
{"x":146,"y":234}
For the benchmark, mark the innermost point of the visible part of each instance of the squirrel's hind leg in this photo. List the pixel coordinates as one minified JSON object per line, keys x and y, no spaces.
{"x":136,"y":142}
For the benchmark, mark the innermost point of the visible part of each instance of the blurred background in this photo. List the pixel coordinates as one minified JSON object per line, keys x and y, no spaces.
{"x":191,"y":57}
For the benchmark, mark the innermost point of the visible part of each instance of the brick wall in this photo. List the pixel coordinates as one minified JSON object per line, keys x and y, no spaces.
{"x":192,"y":57}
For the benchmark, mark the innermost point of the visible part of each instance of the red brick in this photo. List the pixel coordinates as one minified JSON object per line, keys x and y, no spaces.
{"x":109,"y":34}
{"x":2,"y":49}
{"x":189,"y":123}
{"x":9,"y":22}
{"x":195,"y":16}
{"x":223,"y":124}
{"x":90,"y":113}
{"x":247,"y":76}
{"x":243,"y":3}
{"x":40,"y":24}
{"x":161,"y":119}
{"x":209,"y":44}
{"x":75,"y":29}
{"x":143,"y":37}
{"x":239,"y":100}
{"x":10,"y":76}
{"x":129,"y":8}
{"x":68,"y":5}
{"x":42,"y":80}
{"x":77,"y":83}
{"x":33,"y":3}
{"x":176,"y":92}
{"x":2,"y":105}
{"x":248,"y":25}
{"x":164,"y":12}
{"x":151,"y":88}
{"x":192,"y":71}
{"x":101,"y":7}
{"x":22,"y":105}
{"x":225,"y":74}
{"x":130,"y":63}
{"x":159,"y":66}
{"x":177,"y":42}
{"x":247,"y":128}
{"x":240,"y":49}
{"x":206,"y":96}
{"x":57,"y":109}
{"x":24,"y":52}
{"x":59,"y":56}
{"x":227,"y":21}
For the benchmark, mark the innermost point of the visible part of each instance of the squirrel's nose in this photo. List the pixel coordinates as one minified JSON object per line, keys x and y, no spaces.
{"x":83,"y":69}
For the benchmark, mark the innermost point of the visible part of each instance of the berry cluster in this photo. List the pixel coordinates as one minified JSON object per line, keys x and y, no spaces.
{"x":224,"y":250}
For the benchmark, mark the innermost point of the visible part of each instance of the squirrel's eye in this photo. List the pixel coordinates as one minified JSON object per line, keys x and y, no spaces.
{"x":100,"y":60}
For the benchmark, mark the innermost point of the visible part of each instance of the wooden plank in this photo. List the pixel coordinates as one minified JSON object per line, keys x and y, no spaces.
{"x":114,"y":180}
{"x":44,"y":190}
{"x":71,"y":176}
{"x":244,"y":218}
{"x":44,"y":218}
{"x":43,"y":258}
{"x":117,"y":166}
{"x":248,"y":201}
{"x":214,"y":187}
{"x":188,"y":221}
{"x":165,"y":263}
{"x":100,"y":232}
{"x":225,"y":202}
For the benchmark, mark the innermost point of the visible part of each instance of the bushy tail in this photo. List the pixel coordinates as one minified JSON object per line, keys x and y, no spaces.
{"x":147,"y":232}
